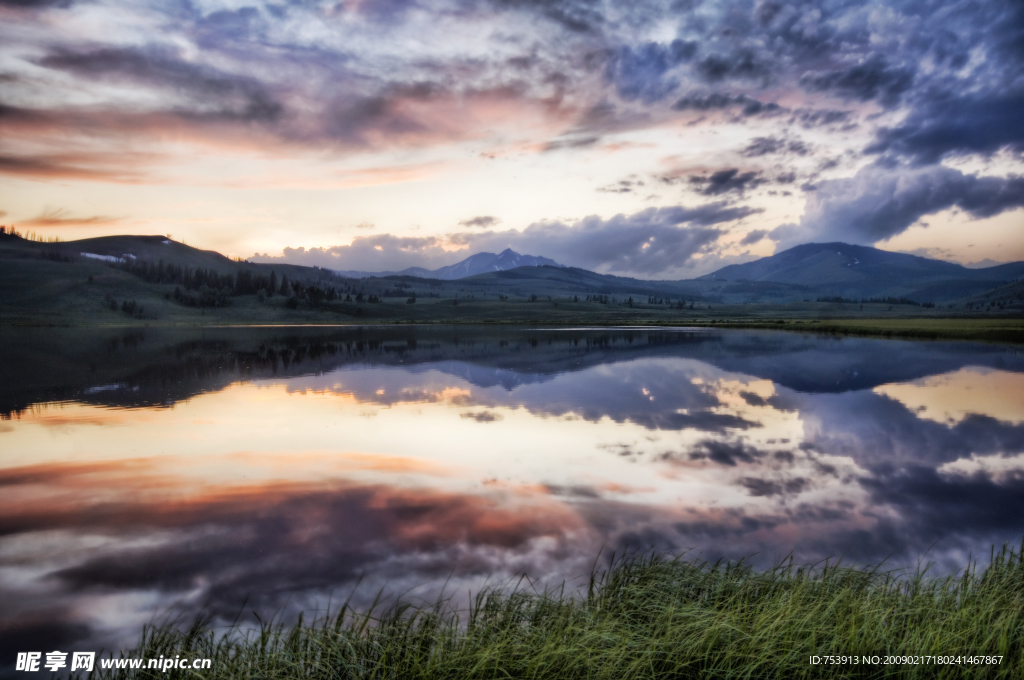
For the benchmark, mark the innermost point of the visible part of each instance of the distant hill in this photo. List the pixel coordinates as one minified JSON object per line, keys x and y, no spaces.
{"x":558,"y":281}
{"x":840,"y":269}
{"x":157,"y":248}
{"x":806,"y":272}
{"x":481,"y":263}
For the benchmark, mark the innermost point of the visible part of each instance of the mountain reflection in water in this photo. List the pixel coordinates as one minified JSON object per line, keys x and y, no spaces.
{"x":174,"y":470}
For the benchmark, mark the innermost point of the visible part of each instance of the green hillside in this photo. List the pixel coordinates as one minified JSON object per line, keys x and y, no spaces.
{"x":59,"y":283}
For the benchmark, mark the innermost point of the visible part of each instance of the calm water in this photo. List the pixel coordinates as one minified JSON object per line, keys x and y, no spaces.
{"x":151,"y":472}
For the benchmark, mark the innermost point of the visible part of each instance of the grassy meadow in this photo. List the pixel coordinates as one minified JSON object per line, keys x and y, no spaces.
{"x":646,"y":617}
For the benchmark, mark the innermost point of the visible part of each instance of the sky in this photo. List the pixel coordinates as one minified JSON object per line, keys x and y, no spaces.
{"x":649,"y":139}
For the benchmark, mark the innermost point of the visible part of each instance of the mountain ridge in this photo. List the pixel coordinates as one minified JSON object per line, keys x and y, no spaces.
{"x":479,"y":263}
{"x":809,"y":272}
{"x":845,"y":270}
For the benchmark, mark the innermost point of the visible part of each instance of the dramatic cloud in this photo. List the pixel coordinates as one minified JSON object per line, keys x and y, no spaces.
{"x":763,"y":146}
{"x":879,"y":202}
{"x":196,"y":96}
{"x":949,"y":125}
{"x":872,"y":79}
{"x":646,"y":244}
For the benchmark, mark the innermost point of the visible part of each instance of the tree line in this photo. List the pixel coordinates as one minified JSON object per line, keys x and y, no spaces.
{"x":877,"y":301}
{"x":201,"y":287}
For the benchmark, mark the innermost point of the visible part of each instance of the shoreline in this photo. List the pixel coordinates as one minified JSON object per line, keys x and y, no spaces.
{"x":995,"y":330}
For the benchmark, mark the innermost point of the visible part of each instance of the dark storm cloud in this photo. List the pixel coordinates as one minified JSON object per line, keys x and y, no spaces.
{"x":950,"y":125}
{"x":874,"y":78}
{"x":725,"y":181}
{"x":717,"y":101}
{"x":879,"y":202}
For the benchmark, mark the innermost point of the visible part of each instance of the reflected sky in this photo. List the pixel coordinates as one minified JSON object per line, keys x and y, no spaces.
{"x":177,"y":473}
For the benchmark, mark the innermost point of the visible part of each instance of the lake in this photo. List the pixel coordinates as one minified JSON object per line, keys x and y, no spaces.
{"x":154,"y":473}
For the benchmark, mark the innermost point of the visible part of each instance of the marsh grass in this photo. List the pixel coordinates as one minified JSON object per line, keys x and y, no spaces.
{"x":645,"y":617}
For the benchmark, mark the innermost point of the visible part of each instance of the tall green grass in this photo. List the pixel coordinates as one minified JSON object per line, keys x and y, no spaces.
{"x":645,"y":617}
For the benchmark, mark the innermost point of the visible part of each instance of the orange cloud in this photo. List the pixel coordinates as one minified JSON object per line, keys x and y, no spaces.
{"x":66,"y":166}
{"x":61,"y":218}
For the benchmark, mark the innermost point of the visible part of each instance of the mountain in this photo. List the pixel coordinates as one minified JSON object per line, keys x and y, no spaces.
{"x":570,"y":281}
{"x":481,"y":263}
{"x":56,"y":281}
{"x":840,"y":269}
{"x":805,"y":272}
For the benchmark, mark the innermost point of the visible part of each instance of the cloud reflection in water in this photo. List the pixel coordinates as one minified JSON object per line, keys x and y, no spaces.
{"x":283,"y":491}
